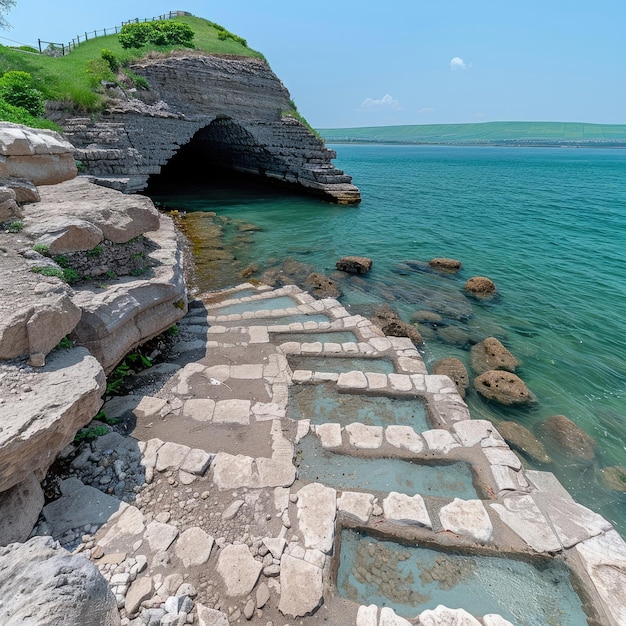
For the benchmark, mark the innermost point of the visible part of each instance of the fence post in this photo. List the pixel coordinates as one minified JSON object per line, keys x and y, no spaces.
{"x":86,"y":38}
{"x":116,"y":30}
{"x":63,"y":49}
{"x":39,"y":42}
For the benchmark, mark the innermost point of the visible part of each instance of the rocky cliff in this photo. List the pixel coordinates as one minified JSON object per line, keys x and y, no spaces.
{"x":227,"y":112}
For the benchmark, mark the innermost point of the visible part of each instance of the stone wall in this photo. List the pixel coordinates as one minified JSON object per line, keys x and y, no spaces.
{"x":233,"y":110}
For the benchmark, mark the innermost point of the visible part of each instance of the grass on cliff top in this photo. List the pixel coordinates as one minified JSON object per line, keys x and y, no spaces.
{"x":65,"y":79}
{"x":482,"y":133}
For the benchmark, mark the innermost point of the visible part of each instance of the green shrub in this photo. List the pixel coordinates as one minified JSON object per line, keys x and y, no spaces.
{"x":18,"y":115}
{"x":16,"y":227}
{"x":98,"y":70}
{"x":111,"y":59}
{"x":17,"y":89}
{"x":70,"y":275}
{"x":158,"y":33}
{"x":138,"y":81}
{"x":42,"y":248}
{"x":48,"y":271}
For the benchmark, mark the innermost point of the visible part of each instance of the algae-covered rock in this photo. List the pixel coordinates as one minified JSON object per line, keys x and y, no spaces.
{"x":522,"y":440}
{"x":570,"y":437}
{"x":490,"y":354}
{"x":480,"y":286}
{"x":503,"y":387}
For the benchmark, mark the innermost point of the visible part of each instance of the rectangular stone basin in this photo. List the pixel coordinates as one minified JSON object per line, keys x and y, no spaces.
{"x":351,"y":473}
{"x":343,"y":336}
{"x":292,"y":319}
{"x":411,"y":579}
{"x":271,"y":304}
{"x":338,"y":364}
{"x":324,"y":403}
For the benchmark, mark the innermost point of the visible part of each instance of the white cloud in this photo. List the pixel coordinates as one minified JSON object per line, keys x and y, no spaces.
{"x":426,"y":110}
{"x":457,"y":63}
{"x":386,"y":102}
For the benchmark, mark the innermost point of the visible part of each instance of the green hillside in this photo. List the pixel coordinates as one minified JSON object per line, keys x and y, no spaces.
{"x":486,"y":133}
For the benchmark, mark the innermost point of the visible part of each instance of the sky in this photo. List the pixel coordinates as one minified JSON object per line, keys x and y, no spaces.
{"x":350,"y":63}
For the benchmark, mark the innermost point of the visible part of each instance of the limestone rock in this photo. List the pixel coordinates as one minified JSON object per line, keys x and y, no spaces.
{"x":572,"y":439}
{"x":194,"y":547}
{"x":9,"y":209}
{"x":301,"y":587}
{"x":25,"y":191}
{"x":443,"y":616}
{"x":468,"y":518}
{"x":522,"y":440}
{"x":503,"y":387}
{"x":403,"y":509}
{"x":238,"y":569}
{"x":19,"y":510}
{"x":317,"y":507}
{"x":392,"y":325}
{"x":210,"y":617}
{"x":480,"y":286}
{"x":42,"y":584}
{"x":140,"y":590}
{"x":455,"y":370}
{"x":490,"y":354}
{"x":354,"y":264}
{"x":40,"y":156}
{"x":445,"y":265}
{"x":321,"y":286}
{"x":66,"y":395}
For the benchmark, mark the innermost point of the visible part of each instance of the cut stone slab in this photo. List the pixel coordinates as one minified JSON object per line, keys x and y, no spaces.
{"x":124,"y":526}
{"x":503,"y":456}
{"x":404,"y":437}
{"x":365,"y":437}
{"x":160,"y":536}
{"x":403,"y":509}
{"x":239,"y":569}
{"x":170,"y":455}
{"x":468,"y":518}
{"x":329,"y":435}
{"x":199,"y":409}
{"x":301,"y":587}
{"x":367,"y":615}
{"x":232,"y":412}
{"x":20,"y":507}
{"x":440,"y":440}
{"x":523,"y":517}
{"x":317,"y":509}
{"x":352,"y":380}
{"x":196,"y":462}
{"x":210,"y":617}
{"x":604,"y":558}
{"x":472,"y":432}
{"x":443,"y":616}
{"x":388,"y":617}
{"x":233,"y":472}
{"x":356,"y":505}
{"x":194,"y":547}
{"x":140,"y":590}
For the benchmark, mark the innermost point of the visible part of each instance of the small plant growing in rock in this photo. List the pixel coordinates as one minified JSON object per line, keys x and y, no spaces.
{"x":64,"y":344}
{"x":48,"y":271}
{"x":41,"y":248}
{"x":94,"y":252}
{"x":93,"y":432}
{"x":172,"y":331}
{"x":15,"y":227}
{"x":61,"y":260}
{"x":70,"y":275}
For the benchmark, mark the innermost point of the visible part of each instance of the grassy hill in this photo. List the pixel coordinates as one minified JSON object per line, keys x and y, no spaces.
{"x":486,"y":133}
{"x":67,"y":79}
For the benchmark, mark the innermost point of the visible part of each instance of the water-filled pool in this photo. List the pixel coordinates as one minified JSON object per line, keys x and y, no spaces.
{"x":350,"y":473}
{"x":338,"y":364}
{"x":411,"y":579}
{"x":292,"y":319}
{"x":344,"y":336}
{"x":324,"y":403}
{"x":271,"y":304}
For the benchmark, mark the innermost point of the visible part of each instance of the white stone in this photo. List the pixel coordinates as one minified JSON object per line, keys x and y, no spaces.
{"x":239,"y":569}
{"x":404,"y":437}
{"x":467,"y":518}
{"x":365,"y":437}
{"x":440,"y":440}
{"x":410,"y":365}
{"x":194,"y":547}
{"x":317,"y":508}
{"x":301,"y":587}
{"x":232,"y":412}
{"x":472,"y":432}
{"x":170,"y":455}
{"x":301,"y":376}
{"x":210,"y":617}
{"x":443,"y":616}
{"x":329,"y":435}
{"x":400,"y":382}
{"x":356,"y":505}
{"x":302,"y":430}
{"x":403,"y":509}
{"x":388,"y":617}
{"x":503,"y":456}
{"x":491,"y":619}
{"x":352,"y":380}
{"x":196,"y":462}
{"x":199,"y":409}
{"x":276,"y":545}
{"x":367,"y":615}
{"x":376,"y":380}
{"x":380,"y":343}
{"x":160,"y":536}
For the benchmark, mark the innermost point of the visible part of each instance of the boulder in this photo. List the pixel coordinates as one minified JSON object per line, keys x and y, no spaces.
{"x":445,"y":265}
{"x":25,"y":190}
{"x":490,"y":354}
{"x":64,"y":397}
{"x":9,"y":209}
{"x":614,"y":477}
{"x":40,"y":156}
{"x":572,"y":439}
{"x":42,"y":584}
{"x":503,"y":387}
{"x":391,"y":324}
{"x":354,"y":264}
{"x":19,"y":510}
{"x":522,"y":440}
{"x":480,"y":286}
{"x":322,"y":286}
{"x":455,"y":370}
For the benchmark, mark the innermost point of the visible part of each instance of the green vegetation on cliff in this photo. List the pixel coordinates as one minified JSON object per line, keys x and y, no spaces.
{"x":486,"y":133}
{"x":74,"y":79}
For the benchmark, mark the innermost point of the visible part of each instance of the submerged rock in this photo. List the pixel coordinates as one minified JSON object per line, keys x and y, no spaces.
{"x":503,"y":387}
{"x":490,"y":354}
{"x":427,"y":317}
{"x":480,"y":286}
{"x":570,"y":437}
{"x":445,"y":265}
{"x":614,"y":477}
{"x":354,"y":264}
{"x":391,"y":324}
{"x":522,"y":440}
{"x":321,"y":286}
{"x":455,"y":369}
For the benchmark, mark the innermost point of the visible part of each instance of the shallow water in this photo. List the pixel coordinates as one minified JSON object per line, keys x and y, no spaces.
{"x":292,"y":319}
{"x":269,"y":304}
{"x":413,"y":579}
{"x":547,"y":225}
{"x":351,"y":473}
{"x":344,"y":336}
{"x":339,"y":364}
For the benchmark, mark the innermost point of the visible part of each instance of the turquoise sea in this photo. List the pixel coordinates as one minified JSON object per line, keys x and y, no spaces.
{"x":547,"y":225}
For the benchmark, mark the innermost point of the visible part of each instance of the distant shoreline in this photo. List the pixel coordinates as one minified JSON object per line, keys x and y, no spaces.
{"x":478,"y":144}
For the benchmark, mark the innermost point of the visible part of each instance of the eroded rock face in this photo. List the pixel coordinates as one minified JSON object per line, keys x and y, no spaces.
{"x":480,"y":286}
{"x":445,"y":265}
{"x":490,"y":354}
{"x":19,"y":510}
{"x":522,"y":440}
{"x":42,"y":584}
{"x":455,"y":369}
{"x":321,"y":286}
{"x":570,"y":437}
{"x":40,"y":156}
{"x":391,"y":324}
{"x":503,"y":387}
{"x":354,"y":264}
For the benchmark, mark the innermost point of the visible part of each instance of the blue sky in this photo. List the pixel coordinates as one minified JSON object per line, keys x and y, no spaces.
{"x":359,"y":63}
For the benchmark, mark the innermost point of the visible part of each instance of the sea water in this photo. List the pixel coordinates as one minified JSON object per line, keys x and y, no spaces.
{"x":547,"y":225}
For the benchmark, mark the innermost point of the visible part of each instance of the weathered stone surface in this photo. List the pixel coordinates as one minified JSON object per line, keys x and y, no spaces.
{"x":388,"y":617}
{"x":570,"y":437}
{"x":40,"y":156}
{"x":238,"y":569}
{"x":480,"y":286}
{"x":472,"y":432}
{"x":25,"y":191}
{"x":403,"y":509}
{"x":391,"y":324}
{"x":329,"y":435}
{"x":503,"y":387}
{"x":65,"y":396}
{"x":455,"y":370}
{"x":317,"y":508}
{"x":358,"y":506}
{"x":440,"y":440}
{"x":614,"y":477}
{"x":140,"y":590}
{"x":301,"y":587}
{"x":490,"y":354}
{"x":322,"y":286}
{"x":445,"y":265}
{"x":367,"y":615}
{"x":41,"y":584}
{"x":19,"y":510}
{"x":194,"y":547}
{"x":160,"y":536}
{"x":604,"y":558}
{"x":503,"y":456}
{"x":127,"y":524}
{"x":354,"y":264}
{"x":404,"y":437}
{"x":365,"y":437}
{"x":468,"y":518}
{"x":233,"y":472}
{"x":443,"y":616}
{"x":491,"y":619}
{"x":210,"y":617}
{"x":522,"y":440}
